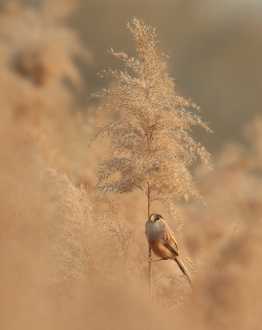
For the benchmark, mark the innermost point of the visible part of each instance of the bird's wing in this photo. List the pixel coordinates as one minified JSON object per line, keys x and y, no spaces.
{"x":169,"y":238}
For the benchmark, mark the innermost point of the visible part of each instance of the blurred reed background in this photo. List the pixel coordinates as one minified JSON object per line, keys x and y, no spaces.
{"x":73,"y":259}
{"x":215,"y":49}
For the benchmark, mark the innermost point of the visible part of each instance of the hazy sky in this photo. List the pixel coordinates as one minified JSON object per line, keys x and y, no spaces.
{"x":215,"y":50}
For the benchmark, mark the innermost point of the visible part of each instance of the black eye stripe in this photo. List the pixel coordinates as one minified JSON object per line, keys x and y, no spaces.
{"x":155,"y":217}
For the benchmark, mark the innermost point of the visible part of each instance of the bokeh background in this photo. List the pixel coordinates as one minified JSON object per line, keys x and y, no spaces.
{"x":215,"y":52}
{"x":72,"y":258}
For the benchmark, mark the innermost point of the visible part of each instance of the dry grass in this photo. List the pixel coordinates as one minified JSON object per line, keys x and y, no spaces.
{"x":151,"y":124}
{"x":75,"y":259}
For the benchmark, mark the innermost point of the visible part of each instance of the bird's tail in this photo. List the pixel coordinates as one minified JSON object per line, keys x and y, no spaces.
{"x":183,"y":270}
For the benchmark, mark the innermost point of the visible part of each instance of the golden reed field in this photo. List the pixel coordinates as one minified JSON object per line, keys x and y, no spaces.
{"x":96,"y":134}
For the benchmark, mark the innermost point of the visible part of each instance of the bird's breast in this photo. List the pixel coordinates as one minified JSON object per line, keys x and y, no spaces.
{"x":154,"y":231}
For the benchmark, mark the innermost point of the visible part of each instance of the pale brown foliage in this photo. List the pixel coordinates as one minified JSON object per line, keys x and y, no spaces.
{"x":71,"y":258}
{"x":40,"y":46}
{"x":38,"y":53}
{"x":151,"y":131}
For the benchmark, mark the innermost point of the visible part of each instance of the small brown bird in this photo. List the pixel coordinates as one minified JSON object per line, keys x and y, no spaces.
{"x":162,"y":241}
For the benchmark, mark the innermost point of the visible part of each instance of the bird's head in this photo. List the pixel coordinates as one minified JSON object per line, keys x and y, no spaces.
{"x":155,"y":217}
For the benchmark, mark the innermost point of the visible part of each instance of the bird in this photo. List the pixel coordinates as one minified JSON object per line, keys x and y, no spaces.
{"x":162,"y":242}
